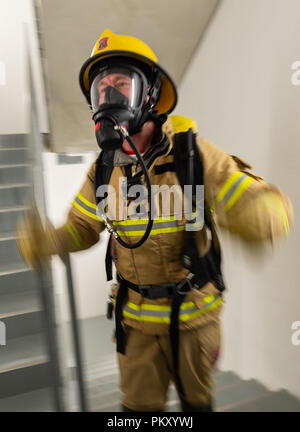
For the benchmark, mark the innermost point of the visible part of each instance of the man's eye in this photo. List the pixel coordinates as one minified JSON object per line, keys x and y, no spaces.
{"x":122,"y":84}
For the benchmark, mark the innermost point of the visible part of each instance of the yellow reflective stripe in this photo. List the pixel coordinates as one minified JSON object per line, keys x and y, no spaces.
{"x":167,"y":308}
{"x":84,"y":211}
{"x":239,"y":191}
{"x":75,"y":237}
{"x":277,"y":206}
{"x":153,"y":231}
{"x":143,"y":221}
{"x":161,"y":320}
{"x":285,"y":221}
{"x":74,"y":229}
{"x":187,"y":305}
{"x":133,"y":306}
{"x":227,"y":186}
{"x":187,"y":317}
{"x":208,"y":299}
{"x":85,"y":201}
{"x":166,"y":319}
{"x":152,"y":307}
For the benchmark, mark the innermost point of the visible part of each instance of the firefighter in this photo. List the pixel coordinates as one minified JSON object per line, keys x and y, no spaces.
{"x":167,"y":312}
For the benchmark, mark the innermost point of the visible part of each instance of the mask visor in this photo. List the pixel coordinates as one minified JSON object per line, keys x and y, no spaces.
{"x":117,"y":86}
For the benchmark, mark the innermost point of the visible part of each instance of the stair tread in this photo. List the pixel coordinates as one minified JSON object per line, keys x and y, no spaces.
{"x":280,"y":401}
{"x":8,"y":209}
{"x":13,"y":140}
{"x":13,"y":267}
{"x":7,"y":236}
{"x":16,"y":165}
{"x":25,"y":302}
{"x":222,"y":379}
{"x":14,"y":185}
{"x":22,"y":351}
{"x":12,"y":148}
{"x":232,"y":393}
{"x":239,"y":392}
{"x":35,"y":401}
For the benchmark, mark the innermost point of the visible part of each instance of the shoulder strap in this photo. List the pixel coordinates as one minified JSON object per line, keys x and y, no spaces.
{"x":182,"y":161}
{"x":103,"y":171}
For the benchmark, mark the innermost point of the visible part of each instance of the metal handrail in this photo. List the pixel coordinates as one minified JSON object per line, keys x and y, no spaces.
{"x":76,"y":335}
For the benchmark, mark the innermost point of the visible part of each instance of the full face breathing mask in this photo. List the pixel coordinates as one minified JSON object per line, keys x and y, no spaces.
{"x":118,"y":98}
{"x":121,"y":105}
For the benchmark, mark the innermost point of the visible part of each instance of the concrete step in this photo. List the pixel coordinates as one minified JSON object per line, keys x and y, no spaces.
{"x":13,"y":155}
{"x":231,"y":392}
{"x":13,"y":304}
{"x":10,"y":174}
{"x":24,"y":365}
{"x":13,"y":141}
{"x":18,"y":282}
{"x":24,"y":323}
{"x":23,"y":351}
{"x":35,"y":401}
{"x":9,"y":254}
{"x":223,"y":380}
{"x":280,"y":401}
{"x":237,"y":393}
{"x":12,"y":268}
{"x":32,"y":376}
{"x":14,"y":195}
{"x":8,"y":220}
{"x":103,"y":401}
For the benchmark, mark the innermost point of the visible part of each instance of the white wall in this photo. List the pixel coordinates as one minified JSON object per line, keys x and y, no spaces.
{"x":18,"y":38}
{"x":62,"y":183}
{"x":238,"y":88}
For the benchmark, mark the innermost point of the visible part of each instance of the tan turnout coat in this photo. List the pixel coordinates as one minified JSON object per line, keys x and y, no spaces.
{"x":229,"y":188}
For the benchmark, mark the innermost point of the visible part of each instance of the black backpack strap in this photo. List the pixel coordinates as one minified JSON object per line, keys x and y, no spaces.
{"x":211,"y":263}
{"x":108,"y":260}
{"x":214,"y":255}
{"x":103,"y":171}
{"x":189,"y":169}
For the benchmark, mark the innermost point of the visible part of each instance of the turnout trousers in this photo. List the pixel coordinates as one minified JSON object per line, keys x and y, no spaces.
{"x":146,"y":368}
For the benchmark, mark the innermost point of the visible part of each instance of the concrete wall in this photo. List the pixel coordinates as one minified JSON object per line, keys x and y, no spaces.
{"x":239,"y":89}
{"x":18,"y":40}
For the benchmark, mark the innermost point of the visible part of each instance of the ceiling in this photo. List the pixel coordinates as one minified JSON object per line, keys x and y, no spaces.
{"x":70,"y":28}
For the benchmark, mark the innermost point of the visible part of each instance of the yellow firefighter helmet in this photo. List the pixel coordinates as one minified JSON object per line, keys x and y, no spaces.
{"x":110,"y":44}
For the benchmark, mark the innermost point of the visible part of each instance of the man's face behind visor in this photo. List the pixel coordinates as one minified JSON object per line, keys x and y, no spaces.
{"x":119,"y":81}
{"x":119,"y":86}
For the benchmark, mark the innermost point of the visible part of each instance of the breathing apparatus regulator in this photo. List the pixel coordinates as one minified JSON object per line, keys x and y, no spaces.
{"x":125,"y":87}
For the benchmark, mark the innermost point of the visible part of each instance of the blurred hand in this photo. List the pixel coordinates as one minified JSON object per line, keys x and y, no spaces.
{"x":36,"y":242}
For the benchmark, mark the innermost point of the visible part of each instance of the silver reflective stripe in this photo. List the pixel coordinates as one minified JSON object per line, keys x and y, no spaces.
{"x":85,"y":206}
{"x":233,"y":189}
{"x":142,"y":227}
{"x":167,"y":314}
{"x":147,"y":312}
{"x":75,"y":235}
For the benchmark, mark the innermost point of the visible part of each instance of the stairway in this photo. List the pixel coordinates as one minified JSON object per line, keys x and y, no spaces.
{"x":24,"y":361}
{"x":232,"y":394}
